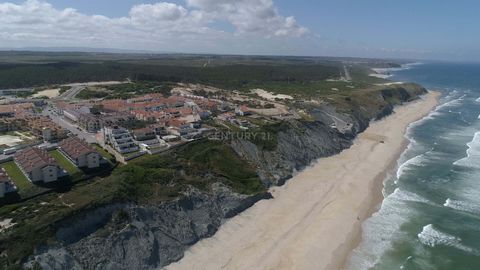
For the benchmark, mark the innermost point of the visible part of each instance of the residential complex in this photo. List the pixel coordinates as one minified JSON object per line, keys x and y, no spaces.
{"x":38,"y":165}
{"x":80,"y":153}
{"x":120,"y":139}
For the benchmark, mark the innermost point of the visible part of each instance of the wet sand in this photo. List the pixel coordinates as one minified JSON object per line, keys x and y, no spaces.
{"x":314,"y":221}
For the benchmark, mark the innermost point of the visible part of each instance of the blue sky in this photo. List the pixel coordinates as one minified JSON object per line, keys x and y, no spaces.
{"x":423,"y":29}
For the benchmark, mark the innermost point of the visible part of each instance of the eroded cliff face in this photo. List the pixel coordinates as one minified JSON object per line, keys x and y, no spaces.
{"x":130,"y":236}
{"x":297,"y":147}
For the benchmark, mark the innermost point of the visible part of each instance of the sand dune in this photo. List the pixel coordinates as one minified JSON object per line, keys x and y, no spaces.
{"x":313,"y":221}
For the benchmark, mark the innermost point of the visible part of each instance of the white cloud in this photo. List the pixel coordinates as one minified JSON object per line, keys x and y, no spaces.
{"x":251,"y":16}
{"x":158,"y":12}
{"x":162,"y":26}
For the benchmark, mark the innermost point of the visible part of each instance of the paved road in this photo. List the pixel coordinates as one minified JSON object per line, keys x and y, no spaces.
{"x":89,"y":137}
{"x":347,"y":73}
{"x":76,"y":88}
{"x":72,"y":92}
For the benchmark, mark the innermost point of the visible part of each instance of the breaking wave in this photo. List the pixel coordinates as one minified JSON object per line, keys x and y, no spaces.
{"x":432,"y":237}
{"x":462,"y":206}
{"x":406,"y":166}
{"x":472,"y":160}
{"x":452,"y":103}
{"x":381,"y":230}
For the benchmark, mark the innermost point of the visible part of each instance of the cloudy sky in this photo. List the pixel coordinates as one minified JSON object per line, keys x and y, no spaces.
{"x":424,"y":29}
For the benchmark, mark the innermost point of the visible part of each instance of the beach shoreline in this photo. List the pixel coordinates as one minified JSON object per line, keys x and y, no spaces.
{"x":314,"y":220}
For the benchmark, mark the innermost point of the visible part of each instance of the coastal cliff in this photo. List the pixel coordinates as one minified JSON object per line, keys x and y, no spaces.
{"x":150,"y":236}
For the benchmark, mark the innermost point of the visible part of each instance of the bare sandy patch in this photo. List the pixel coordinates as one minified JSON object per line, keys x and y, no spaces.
{"x":50,"y":93}
{"x":269,"y":95}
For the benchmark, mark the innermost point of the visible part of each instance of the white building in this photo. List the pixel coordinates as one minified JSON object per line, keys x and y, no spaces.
{"x":37,"y":165}
{"x":120,"y":139}
{"x":79,"y":153}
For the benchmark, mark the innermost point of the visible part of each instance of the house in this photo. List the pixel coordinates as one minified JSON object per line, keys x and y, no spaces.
{"x":148,"y":141}
{"x":178,"y":127}
{"x":73,"y":113}
{"x":204,"y":115}
{"x":243,"y":111}
{"x":80,"y":153}
{"x":37,"y":165}
{"x":43,"y":127}
{"x":159,"y":129}
{"x":117,"y":119}
{"x":171,"y":138}
{"x":120,"y":139}
{"x":144,"y":134}
{"x":90,"y":122}
{"x":7,"y":111}
{"x":228,"y":116}
{"x":6,"y":184}
{"x":12,"y":124}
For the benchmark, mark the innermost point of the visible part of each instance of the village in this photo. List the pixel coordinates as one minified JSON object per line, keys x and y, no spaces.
{"x":46,"y":141}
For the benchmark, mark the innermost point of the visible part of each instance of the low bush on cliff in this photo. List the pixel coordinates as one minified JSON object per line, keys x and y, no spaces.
{"x":198,"y":164}
{"x":150,"y":179}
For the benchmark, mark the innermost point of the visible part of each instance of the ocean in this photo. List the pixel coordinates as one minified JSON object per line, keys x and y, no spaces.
{"x":430,"y":217}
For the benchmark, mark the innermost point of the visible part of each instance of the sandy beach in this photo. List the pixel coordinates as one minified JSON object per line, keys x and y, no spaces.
{"x":314,"y":221}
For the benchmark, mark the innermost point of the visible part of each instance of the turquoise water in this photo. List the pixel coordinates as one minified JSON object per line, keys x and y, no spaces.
{"x":430,"y":218}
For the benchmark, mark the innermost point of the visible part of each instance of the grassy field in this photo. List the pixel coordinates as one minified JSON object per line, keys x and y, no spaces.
{"x":75,"y":174}
{"x":65,"y":163}
{"x":21,"y":181}
{"x":109,"y":157}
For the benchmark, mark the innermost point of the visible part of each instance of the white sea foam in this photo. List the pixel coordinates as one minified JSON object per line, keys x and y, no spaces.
{"x":477,"y":100}
{"x":383,"y":228}
{"x":403,"y":163}
{"x":407,"y":196}
{"x":472,"y":159}
{"x":406,"y":166}
{"x":432,"y":237}
{"x":385,"y":73}
{"x":462,"y":206}
{"x":452,"y":103}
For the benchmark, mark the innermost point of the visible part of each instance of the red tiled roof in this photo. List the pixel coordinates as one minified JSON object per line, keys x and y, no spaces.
{"x":75,"y":147}
{"x":33,"y":157}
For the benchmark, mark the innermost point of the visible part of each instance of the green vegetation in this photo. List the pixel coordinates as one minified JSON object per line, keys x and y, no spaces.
{"x":309,"y":77}
{"x":65,"y":163}
{"x":148,"y":179}
{"x":153,"y":179}
{"x":244,"y":76}
{"x":126,"y":90}
{"x":197,"y":164}
{"x":310,"y":89}
{"x":265,"y":136}
{"x":361,"y":74}
{"x":90,"y":94}
{"x":21,"y":181}
{"x":369,"y":103}
{"x":63,"y":89}
{"x":109,"y":157}
{"x":138,"y":88}
{"x":35,"y":219}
